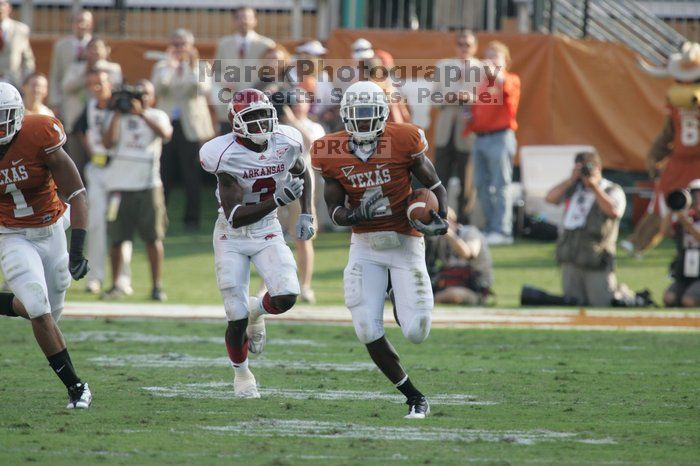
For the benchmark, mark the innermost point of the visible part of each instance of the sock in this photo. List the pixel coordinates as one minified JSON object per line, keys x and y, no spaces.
{"x":254,"y":307}
{"x":268,"y":307}
{"x":238,"y":355}
{"x":406,"y":387}
{"x":61,"y":365}
{"x":240,"y":368}
{"x":6,"y":305}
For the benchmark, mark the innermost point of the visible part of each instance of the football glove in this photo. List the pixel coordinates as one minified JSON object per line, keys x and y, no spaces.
{"x":436,"y":227}
{"x":78,"y":267}
{"x":369,"y":207}
{"x":305,"y":227}
{"x":288,"y":190}
{"x":77,"y":264}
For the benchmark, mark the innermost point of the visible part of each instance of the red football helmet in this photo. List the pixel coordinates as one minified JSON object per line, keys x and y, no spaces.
{"x":252,"y":116}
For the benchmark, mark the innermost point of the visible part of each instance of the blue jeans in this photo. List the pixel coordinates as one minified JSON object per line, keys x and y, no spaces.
{"x":493,"y":172}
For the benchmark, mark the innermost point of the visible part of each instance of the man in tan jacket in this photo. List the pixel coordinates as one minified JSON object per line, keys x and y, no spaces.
{"x":181,"y":94}
{"x":66,"y":51}
{"x":16,"y":56}
{"x":240,"y":49}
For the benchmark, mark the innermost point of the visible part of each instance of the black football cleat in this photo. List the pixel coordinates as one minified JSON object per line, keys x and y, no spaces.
{"x":418,"y":407}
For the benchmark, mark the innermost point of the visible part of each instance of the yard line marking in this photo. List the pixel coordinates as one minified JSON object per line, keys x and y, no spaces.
{"x":136,"y":337}
{"x":342,"y":430}
{"x":224,"y":391}
{"x":180,"y":360}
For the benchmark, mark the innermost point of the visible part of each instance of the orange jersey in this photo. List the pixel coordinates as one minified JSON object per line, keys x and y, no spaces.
{"x":386,"y":170}
{"x":29,"y":197}
{"x":686,"y":131}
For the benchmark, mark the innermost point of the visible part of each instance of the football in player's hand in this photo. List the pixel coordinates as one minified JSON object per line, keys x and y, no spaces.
{"x":420,"y":203}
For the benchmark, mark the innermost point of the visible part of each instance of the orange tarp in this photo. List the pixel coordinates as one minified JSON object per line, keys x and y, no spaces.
{"x":573,"y":91}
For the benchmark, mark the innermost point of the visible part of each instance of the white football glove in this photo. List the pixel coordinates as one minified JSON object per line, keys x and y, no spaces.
{"x":289,"y":190}
{"x":305,"y":227}
{"x":369,"y":207}
{"x":436,"y":227}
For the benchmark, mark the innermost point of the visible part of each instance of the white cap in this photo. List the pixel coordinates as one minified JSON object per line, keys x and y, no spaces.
{"x":312,"y":47}
{"x":362,"y":49}
{"x":693,"y":185}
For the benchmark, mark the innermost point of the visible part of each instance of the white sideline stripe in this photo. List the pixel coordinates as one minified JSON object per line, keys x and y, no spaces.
{"x":224,"y":391}
{"x":185,"y":360}
{"x":341,"y":430}
{"x":548,"y":319}
{"x":135,"y":337}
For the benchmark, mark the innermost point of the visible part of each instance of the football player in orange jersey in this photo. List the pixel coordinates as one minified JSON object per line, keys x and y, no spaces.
{"x":34,"y":172}
{"x":371,"y":163}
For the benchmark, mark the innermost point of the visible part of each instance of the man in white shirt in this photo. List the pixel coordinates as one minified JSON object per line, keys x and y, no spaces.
{"x":586,"y":246}
{"x":66,"y":51}
{"x":243,"y":48}
{"x":135,"y":143}
{"x":16,"y":56}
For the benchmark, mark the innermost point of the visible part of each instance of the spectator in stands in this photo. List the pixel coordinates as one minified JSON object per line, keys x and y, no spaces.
{"x":586,"y":245}
{"x":75,"y":92}
{"x":685,"y":269}
{"x":135,"y":140}
{"x":66,"y":51}
{"x":296,"y":113}
{"x":277,"y":73}
{"x":244,"y":44}
{"x":35,"y":89}
{"x":89,"y":127}
{"x":495,"y":144}
{"x":16,"y":56}
{"x":180,"y":94}
{"x":465,"y":271}
{"x":398,"y":107}
{"x":453,"y":149}
{"x":316,"y":81}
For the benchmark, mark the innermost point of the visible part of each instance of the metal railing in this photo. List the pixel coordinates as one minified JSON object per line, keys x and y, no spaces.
{"x":623,"y":21}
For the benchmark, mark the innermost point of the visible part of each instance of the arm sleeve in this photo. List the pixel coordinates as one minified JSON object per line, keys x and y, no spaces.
{"x":52,"y":136}
{"x":417,"y":142}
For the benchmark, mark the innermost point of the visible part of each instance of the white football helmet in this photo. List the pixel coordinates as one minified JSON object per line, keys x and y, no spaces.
{"x":364,"y":110}
{"x":11,"y":112}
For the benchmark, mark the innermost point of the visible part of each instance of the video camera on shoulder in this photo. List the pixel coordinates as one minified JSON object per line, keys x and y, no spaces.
{"x":122,"y":97}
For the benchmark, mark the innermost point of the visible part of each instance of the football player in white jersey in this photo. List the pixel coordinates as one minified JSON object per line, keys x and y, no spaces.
{"x":259,"y":167}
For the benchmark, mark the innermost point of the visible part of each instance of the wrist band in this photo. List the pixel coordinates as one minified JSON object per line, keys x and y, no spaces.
{"x":333,"y":215}
{"x":230,"y":216}
{"x":439,"y":183}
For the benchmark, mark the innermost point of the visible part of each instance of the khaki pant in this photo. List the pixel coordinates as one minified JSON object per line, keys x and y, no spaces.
{"x":588,"y":287}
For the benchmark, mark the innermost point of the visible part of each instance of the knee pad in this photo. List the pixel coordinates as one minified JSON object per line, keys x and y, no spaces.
{"x":235,"y":302}
{"x":33,"y":296}
{"x":418,"y":329}
{"x":368,"y":331}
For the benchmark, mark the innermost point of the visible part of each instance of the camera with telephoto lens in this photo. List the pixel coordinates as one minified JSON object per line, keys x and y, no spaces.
{"x":122,"y":97}
{"x":586,"y":169}
{"x":678,"y":200}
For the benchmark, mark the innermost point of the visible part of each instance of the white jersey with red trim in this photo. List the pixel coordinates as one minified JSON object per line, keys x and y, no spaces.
{"x":256,"y":172}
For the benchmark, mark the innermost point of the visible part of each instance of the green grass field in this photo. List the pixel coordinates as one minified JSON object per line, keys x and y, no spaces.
{"x":189,"y":267}
{"x":163,"y":396}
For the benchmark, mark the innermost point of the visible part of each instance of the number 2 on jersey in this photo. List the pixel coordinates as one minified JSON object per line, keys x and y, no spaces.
{"x":21,"y":208}
{"x":265,"y":186}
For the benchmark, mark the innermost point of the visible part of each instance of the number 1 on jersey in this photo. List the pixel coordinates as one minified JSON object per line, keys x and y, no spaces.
{"x":21,"y":207}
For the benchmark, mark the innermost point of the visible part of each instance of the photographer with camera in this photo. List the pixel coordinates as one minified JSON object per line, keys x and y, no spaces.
{"x":684,"y":226}
{"x":135,"y":137}
{"x":586,"y":246}
{"x":89,"y":128}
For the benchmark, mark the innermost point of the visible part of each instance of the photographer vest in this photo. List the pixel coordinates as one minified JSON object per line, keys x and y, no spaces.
{"x":591,"y":246}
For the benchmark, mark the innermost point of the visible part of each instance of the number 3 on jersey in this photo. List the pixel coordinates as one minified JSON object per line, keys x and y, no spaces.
{"x":384,"y":202}
{"x":21,"y":208}
{"x":265,"y":187}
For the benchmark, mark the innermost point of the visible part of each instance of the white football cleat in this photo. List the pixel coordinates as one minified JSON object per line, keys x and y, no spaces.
{"x":79,"y":397}
{"x":245,"y":386}
{"x":256,"y":333}
{"x":418,"y":408}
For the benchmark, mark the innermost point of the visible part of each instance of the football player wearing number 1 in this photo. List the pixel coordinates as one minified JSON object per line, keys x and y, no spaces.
{"x":259,"y":166}
{"x":371,"y":164}
{"x":34,"y":172}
